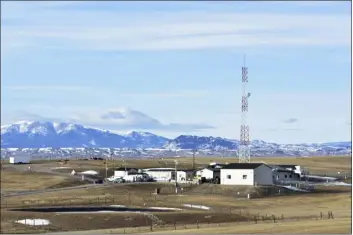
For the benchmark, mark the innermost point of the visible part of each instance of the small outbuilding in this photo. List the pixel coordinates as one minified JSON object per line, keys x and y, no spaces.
{"x":122,"y":171}
{"x":20,"y":159}
{"x":246,"y":174}
{"x":210,"y":172}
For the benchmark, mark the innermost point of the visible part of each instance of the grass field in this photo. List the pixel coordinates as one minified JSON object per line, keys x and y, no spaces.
{"x":12,"y":180}
{"x":316,"y":165}
{"x":229,"y":211}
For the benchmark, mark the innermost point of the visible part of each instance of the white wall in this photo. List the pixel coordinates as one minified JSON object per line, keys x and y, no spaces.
{"x":236,"y":176}
{"x":16,"y":159}
{"x":120,"y":173}
{"x":263,"y":175}
{"x":208,"y":174}
{"x":160,"y":174}
{"x":123,"y":173}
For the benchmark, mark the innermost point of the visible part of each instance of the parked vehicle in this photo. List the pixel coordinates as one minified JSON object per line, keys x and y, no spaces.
{"x":99,"y":182}
{"x":119,"y":181}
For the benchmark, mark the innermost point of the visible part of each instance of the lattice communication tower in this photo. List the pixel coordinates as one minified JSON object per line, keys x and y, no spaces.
{"x":244,"y":149}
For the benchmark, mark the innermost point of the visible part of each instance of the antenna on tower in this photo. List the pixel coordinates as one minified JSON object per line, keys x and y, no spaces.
{"x":244,"y":150}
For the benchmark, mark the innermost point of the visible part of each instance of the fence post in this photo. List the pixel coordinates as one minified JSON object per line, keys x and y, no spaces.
{"x":197,"y":224}
{"x":321,"y":215}
{"x":274,"y":218}
{"x":151,"y":227}
{"x":255,"y":219}
{"x":174,"y":225}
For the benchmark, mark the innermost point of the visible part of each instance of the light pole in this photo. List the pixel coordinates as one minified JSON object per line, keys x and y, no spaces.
{"x":106,"y":167}
{"x":176,"y":176}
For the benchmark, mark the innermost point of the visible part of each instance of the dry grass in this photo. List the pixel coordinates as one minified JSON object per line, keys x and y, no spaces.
{"x":225,"y":206}
{"x":336,"y":226}
{"x":12,"y":180}
{"x":321,"y":165}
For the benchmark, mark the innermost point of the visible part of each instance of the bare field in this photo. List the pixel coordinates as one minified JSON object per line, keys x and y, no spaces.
{"x":320,"y":165}
{"x":336,"y":226}
{"x":226,"y":204}
{"x":224,"y":209}
{"x":13,"y":180}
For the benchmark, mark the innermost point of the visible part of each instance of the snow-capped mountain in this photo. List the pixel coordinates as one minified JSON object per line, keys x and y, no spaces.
{"x":63,"y":135}
{"x":48,"y":137}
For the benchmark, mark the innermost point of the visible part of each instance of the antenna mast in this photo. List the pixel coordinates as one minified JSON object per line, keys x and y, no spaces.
{"x":244,"y":150}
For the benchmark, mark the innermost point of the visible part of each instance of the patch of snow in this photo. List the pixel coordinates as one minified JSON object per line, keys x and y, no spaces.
{"x":34,"y":222}
{"x":295,"y":189}
{"x":60,"y":167}
{"x":165,"y":208}
{"x":90,"y":172}
{"x":337,"y":184}
{"x":117,"y":206}
{"x":321,"y":177}
{"x":197,"y":206}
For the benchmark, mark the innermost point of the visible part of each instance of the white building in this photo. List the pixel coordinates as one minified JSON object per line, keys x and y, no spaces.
{"x":295,"y":168}
{"x":246,"y":174}
{"x":21,"y":159}
{"x":122,"y":171}
{"x":210,"y":172}
{"x":168,"y":174}
{"x":135,"y":177}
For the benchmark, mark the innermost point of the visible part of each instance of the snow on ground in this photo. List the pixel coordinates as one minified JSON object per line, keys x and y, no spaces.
{"x":165,"y":208}
{"x":90,"y":172}
{"x":336,"y":184}
{"x":60,"y":167}
{"x":117,"y":206}
{"x":197,"y":206}
{"x":33,"y":222}
{"x":295,"y":189}
{"x":321,"y":177}
{"x":340,"y":184}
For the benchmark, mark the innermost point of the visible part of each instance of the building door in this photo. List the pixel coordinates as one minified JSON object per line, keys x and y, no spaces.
{"x":173,"y":175}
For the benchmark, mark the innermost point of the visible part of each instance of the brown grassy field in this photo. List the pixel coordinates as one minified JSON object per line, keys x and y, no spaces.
{"x":224,"y":208}
{"x":320,"y":165}
{"x":336,"y":226}
{"x":227,"y":206}
{"x":12,"y":180}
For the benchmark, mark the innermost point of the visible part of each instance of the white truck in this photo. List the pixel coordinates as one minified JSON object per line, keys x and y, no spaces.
{"x":23,"y":159}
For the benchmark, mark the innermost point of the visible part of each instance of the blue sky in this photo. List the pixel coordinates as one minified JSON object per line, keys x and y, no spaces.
{"x":175,"y":67}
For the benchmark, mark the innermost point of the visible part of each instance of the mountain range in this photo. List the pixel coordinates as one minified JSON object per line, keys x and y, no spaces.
{"x":55,"y":135}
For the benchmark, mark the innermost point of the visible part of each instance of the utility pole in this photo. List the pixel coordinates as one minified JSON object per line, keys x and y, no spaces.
{"x":193,"y":159}
{"x":176,"y":176}
{"x":106,"y":166}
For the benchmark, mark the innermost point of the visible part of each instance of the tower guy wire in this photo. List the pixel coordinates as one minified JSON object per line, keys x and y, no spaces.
{"x":244,"y":149}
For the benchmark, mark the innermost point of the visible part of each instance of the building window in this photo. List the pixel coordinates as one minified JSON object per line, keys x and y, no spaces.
{"x":244,"y":177}
{"x":229,"y":177}
{"x":290,"y":176}
{"x":285,"y":176}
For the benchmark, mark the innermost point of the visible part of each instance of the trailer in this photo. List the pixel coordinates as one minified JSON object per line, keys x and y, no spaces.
{"x":19,"y":159}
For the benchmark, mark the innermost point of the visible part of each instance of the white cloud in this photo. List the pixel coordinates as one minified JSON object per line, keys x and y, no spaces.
{"x":118,"y":119}
{"x":97,"y":30}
